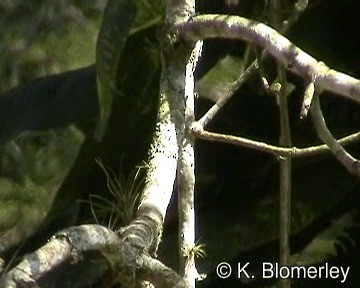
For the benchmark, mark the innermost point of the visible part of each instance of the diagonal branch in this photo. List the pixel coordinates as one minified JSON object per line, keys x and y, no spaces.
{"x":299,"y":8}
{"x":210,"y":114}
{"x":292,"y":57}
{"x":66,"y":245}
{"x":71,"y":243}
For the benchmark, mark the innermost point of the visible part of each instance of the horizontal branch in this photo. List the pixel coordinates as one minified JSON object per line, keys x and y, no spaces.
{"x":296,"y":60}
{"x":293,"y":152}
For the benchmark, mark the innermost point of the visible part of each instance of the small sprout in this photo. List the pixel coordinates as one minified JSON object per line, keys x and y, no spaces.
{"x":196,"y":251}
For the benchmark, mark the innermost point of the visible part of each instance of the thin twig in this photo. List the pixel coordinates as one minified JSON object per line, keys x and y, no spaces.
{"x":299,"y":8}
{"x":210,"y":114}
{"x":285,"y":163}
{"x":351,"y":164}
{"x":293,"y":152}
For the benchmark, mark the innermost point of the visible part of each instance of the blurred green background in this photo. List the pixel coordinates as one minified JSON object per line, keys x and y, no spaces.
{"x":45,"y":37}
{"x":39,"y":38}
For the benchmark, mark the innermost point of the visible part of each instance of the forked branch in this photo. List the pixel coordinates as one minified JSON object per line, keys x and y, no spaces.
{"x":317,"y":74}
{"x":293,"y":58}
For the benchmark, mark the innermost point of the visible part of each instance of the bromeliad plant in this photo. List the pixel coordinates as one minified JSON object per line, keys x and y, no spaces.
{"x":131,"y":252}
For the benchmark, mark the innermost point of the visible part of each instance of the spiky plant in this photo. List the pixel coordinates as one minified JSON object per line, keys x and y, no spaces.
{"x":125,"y":197}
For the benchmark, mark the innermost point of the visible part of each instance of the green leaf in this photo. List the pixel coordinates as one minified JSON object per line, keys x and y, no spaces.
{"x":220,"y":78}
{"x":323,"y":247}
{"x":150,"y":12}
{"x":118,"y":17}
{"x":120,"y":20}
{"x":49,"y":102}
{"x":32,"y":168}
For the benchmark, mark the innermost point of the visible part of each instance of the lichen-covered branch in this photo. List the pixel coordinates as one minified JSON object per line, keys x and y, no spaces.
{"x":180,"y":82}
{"x":293,"y":58}
{"x":159,"y":275}
{"x":68,"y":244}
{"x":145,"y":231}
{"x":318,"y":76}
{"x":2,"y":263}
{"x":71,"y":243}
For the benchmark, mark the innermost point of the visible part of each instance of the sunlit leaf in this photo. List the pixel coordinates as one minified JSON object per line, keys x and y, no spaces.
{"x":120,"y":19}
{"x":219,"y":79}
{"x":117,"y":21}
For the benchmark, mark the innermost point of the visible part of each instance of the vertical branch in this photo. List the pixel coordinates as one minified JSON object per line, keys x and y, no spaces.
{"x":176,"y":62}
{"x":285,"y":207}
{"x":145,"y":231}
{"x":285,"y":162}
{"x":285,"y":179}
{"x":186,"y":178}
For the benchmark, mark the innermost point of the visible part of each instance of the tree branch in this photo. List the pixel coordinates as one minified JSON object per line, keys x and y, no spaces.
{"x":210,"y":114}
{"x":293,"y":152}
{"x":145,"y":231}
{"x":292,"y":57}
{"x":350,"y":163}
{"x":186,"y":177}
{"x":299,"y":8}
{"x":72,"y":242}
{"x":68,"y":244}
